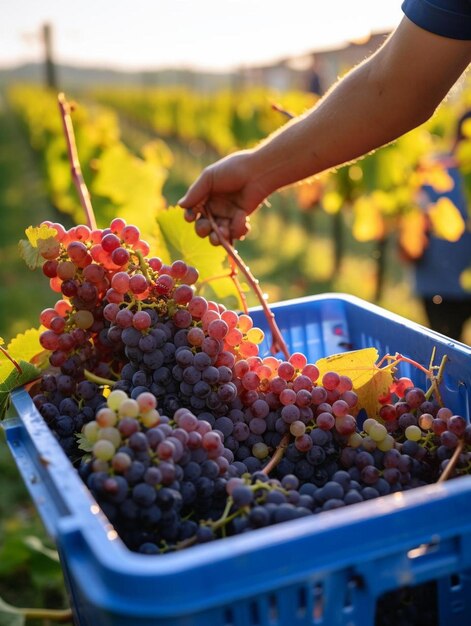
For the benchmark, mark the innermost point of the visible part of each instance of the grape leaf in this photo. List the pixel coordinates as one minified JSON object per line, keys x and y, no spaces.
{"x":465,"y":279}
{"x":183,"y":243}
{"x":14,"y":380}
{"x":132,"y":189}
{"x":26,"y":345}
{"x":83,"y":443}
{"x":368,"y":224}
{"x":447,"y":221}
{"x":38,"y":234}
{"x":413,"y":234}
{"x":369,"y":381}
{"x":435,"y":175}
{"x":38,"y":238}
{"x":30,"y":255}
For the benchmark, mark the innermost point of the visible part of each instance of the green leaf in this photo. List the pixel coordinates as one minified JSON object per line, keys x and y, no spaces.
{"x":10,"y":615}
{"x":39,"y":238}
{"x":83,"y":443}
{"x":38,"y":235}
{"x":183,"y":243}
{"x":25,"y":345}
{"x":14,"y":380}
{"x":30,"y":255}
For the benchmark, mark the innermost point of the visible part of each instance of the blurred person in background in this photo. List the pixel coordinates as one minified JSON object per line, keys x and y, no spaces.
{"x":438,"y":270}
{"x":314,"y":84}
{"x":393,"y":91}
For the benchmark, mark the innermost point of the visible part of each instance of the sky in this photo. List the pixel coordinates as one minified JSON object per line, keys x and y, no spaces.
{"x":215,"y":35}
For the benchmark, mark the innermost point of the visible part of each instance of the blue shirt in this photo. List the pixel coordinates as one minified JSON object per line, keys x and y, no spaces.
{"x":448,"y":18}
{"x":438,"y":270}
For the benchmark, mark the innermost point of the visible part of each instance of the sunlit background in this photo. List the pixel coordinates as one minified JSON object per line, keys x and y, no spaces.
{"x":208,"y":34}
{"x":163,"y":88}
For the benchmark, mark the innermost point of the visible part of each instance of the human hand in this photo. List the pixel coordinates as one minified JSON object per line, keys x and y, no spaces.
{"x":228,"y":190}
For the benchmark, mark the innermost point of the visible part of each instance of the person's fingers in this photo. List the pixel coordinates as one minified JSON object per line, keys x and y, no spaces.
{"x":239,"y":225}
{"x":190,"y":215}
{"x":203,"y":227}
{"x":221,"y":208}
{"x":198,"y":192}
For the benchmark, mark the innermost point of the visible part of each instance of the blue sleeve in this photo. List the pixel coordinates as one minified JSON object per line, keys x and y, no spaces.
{"x":448,"y":18}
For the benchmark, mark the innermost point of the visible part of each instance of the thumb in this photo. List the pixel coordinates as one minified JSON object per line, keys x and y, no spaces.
{"x":198,"y":192}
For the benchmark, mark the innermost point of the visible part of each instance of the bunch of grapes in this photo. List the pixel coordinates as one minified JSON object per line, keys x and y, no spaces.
{"x":183,"y":432}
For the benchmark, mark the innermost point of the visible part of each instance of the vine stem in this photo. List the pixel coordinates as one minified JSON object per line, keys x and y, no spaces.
{"x":75,"y":168}
{"x":10,"y":358}
{"x":238,"y":286}
{"x":276,"y":458}
{"x":445,"y":475}
{"x":52,"y":615}
{"x":278,"y":343}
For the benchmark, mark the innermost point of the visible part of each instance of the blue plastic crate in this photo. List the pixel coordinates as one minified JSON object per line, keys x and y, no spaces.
{"x":328,"y":569}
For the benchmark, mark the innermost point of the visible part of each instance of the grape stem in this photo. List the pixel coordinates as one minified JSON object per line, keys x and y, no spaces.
{"x":99,"y":380}
{"x":279,"y":453}
{"x":238,"y":286}
{"x":142,"y":264}
{"x":278,"y":343}
{"x":77,"y":176}
{"x":433,"y":378}
{"x":445,"y":475}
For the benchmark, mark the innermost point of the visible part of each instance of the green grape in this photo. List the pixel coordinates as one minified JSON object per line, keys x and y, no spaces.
{"x":128,"y":408}
{"x":378,"y":432}
{"x":115,"y":399}
{"x":355,"y":440}
{"x":386,"y":444}
{"x":84,"y":319}
{"x":150,"y":418}
{"x":103,"y":450}
{"x":368,"y":424}
{"x":110,"y":434}
{"x":90,"y":431}
{"x":413,"y":433}
{"x":260,"y":450}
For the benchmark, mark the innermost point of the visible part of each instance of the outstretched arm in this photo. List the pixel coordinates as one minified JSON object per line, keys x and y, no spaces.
{"x":393,"y":91}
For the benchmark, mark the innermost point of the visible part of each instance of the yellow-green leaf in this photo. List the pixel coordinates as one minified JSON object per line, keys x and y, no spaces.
{"x":369,"y":381}
{"x":413,"y":234}
{"x":14,"y":380}
{"x":37,"y":233}
{"x":465,"y":279}
{"x":447,"y":221}
{"x":183,"y":243}
{"x":26,"y":345}
{"x":30,"y":254}
{"x":368,"y":224}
